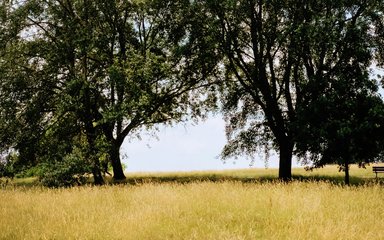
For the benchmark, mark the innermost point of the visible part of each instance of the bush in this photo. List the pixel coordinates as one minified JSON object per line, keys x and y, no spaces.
{"x":27,"y":171}
{"x":7,"y":169}
{"x":71,"y":171}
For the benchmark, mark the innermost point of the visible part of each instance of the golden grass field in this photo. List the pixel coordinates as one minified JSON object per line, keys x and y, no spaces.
{"x":200,"y":205}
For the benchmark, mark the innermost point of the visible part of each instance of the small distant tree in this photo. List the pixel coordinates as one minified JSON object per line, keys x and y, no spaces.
{"x":343,"y":126}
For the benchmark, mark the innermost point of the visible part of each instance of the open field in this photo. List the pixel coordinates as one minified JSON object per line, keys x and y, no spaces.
{"x":330,"y":173}
{"x":158,"y":208}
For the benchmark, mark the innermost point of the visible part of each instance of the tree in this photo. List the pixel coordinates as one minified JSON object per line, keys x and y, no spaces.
{"x":341,"y":117}
{"x":263,"y":74}
{"x":18,"y":129}
{"x":109,"y":69}
{"x":341,"y":129}
{"x":273,"y":51}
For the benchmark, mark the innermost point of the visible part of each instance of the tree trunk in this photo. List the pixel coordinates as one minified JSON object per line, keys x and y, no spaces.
{"x":97,"y":177}
{"x":118,"y":173}
{"x":346,"y":166}
{"x":92,"y":153}
{"x":346,"y":156}
{"x":285,"y":164}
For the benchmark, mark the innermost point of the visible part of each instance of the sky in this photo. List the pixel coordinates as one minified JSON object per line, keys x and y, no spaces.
{"x":185,"y":147}
{"x":189,"y":147}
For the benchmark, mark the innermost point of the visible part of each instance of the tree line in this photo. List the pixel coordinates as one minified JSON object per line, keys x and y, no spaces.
{"x":77,"y":77}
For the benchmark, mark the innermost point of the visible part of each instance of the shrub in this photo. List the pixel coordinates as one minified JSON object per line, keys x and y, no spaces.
{"x":7,"y":162}
{"x":71,"y":171}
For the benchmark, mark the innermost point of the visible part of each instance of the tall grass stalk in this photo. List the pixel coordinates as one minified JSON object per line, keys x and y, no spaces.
{"x":201,"y":210}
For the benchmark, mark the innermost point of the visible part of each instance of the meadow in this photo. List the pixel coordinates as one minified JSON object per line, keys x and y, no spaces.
{"x":238,"y":204}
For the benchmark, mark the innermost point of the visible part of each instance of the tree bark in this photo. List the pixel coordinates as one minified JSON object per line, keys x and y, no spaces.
{"x":285,"y":161}
{"x":91,"y":154}
{"x":97,"y":176}
{"x":346,"y":166}
{"x":114,"y":154}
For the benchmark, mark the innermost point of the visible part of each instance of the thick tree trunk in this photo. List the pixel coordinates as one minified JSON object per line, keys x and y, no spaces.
{"x":118,"y":173}
{"x":285,"y":164}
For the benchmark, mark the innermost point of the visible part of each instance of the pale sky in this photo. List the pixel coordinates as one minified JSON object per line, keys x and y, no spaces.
{"x":185,"y":147}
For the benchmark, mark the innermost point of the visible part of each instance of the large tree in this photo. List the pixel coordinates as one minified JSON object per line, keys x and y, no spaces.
{"x":110,"y":68}
{"x":20,"y":125}
{"x":273,"y":51}
{"x":341,"y":118}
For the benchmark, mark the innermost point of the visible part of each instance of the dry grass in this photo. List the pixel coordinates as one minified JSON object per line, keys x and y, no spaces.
{"x":329,"y":173}
{"x":197,"y":210}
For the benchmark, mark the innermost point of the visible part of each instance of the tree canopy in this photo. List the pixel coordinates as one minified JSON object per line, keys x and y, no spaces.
{"x":278,"y":56}
{"x":99,"y":71}
{"x":340,"y":119}
{"x":293,"y":76}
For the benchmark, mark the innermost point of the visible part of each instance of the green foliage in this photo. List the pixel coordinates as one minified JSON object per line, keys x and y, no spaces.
{"x":97,"y":70}
{"x":7,"y":165}
{"x":340,"y":115}
{"x":281,"y":55}
{"x":88,"y":74}
{"x":30,"y":172}
{"x":71,"y":171}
